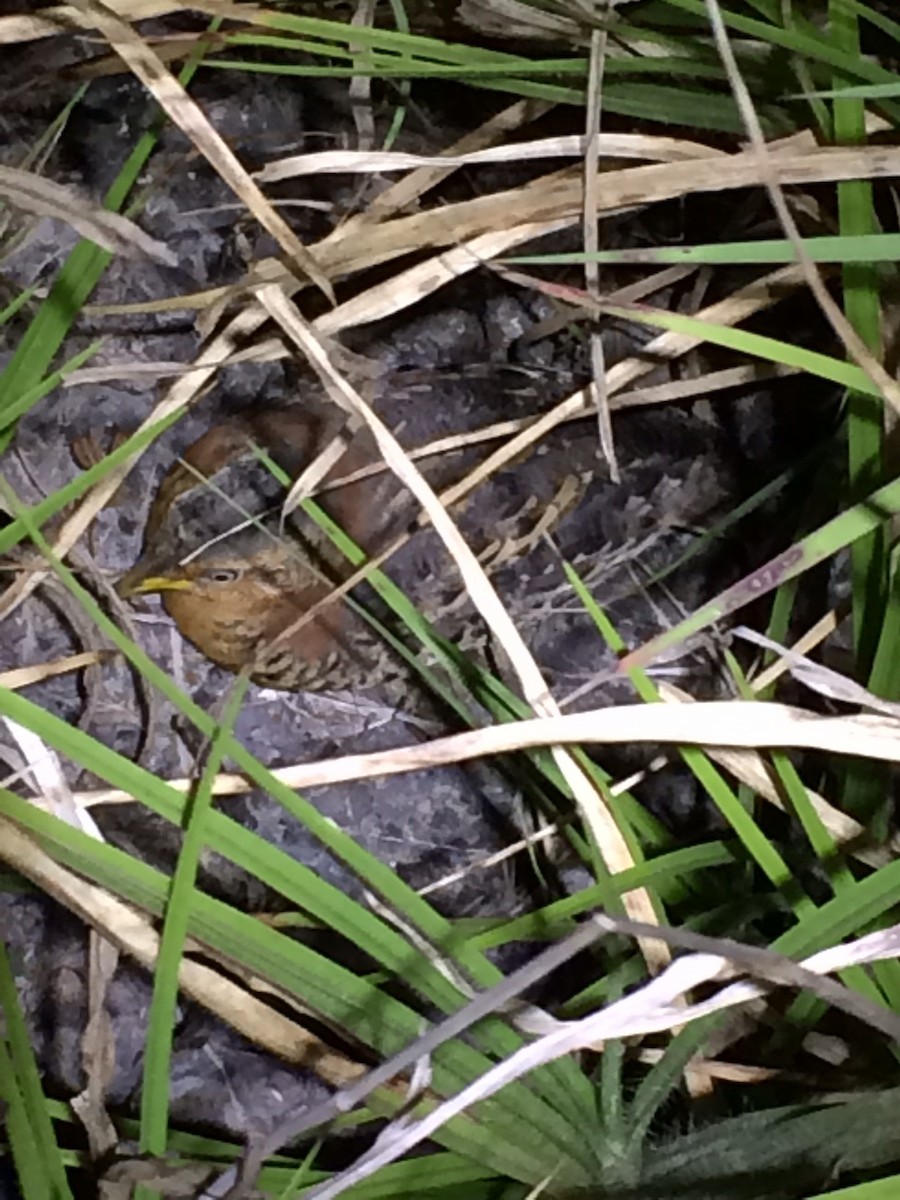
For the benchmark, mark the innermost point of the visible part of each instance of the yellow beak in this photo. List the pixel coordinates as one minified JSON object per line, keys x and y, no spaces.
{"x":135,"y":583}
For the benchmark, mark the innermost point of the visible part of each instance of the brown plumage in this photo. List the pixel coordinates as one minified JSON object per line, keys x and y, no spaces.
{"x":236,"y":590}
{"x":240,"y":587}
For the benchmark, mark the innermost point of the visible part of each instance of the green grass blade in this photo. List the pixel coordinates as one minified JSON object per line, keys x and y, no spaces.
{"x":558,"y":917}
{"x":760,"y":849}
{"x":161,"y":1021}
{"x":31,"y":1124}
{"x":816,"y":547}
{"x":876,"y":1189}
{"x":771,"y":349}
{"x":7,"y":314}
{"x":34,"y":1182}
{"x":349,"y":1002}
{"x":847,"y":248}
{"x":74,"y":284}
{"x":10,"y":413}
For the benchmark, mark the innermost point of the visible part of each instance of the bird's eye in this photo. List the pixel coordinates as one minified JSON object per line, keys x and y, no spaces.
{"x":222,"y":575}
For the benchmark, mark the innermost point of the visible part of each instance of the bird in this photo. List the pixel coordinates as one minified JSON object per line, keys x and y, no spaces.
{"x":236,"y":582}
{"x":239,"y":582}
